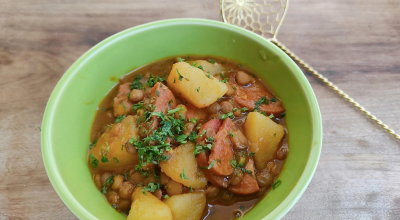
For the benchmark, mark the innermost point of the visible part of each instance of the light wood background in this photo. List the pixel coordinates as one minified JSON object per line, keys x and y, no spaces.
{"x":355,"y":43}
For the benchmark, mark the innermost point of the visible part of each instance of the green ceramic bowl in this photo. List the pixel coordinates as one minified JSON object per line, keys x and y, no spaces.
{"x":72,"y":106}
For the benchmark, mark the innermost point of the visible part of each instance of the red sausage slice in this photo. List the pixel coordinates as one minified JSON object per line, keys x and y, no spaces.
{"x":222,"y":152}
{"x":219,"y":181}
{"x":211,"y":128}
{"x":248,"y":185}
{"x":162,"y":96}
{"x":247,"y":96}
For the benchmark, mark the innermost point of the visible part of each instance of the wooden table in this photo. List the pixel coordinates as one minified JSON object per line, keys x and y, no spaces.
{"x":355,"y":43}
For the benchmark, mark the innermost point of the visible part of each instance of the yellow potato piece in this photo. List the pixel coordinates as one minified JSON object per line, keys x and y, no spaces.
{"x":187,"y":206}
{"x":193,"y":85}
{"x":208,"y":67}
{"x":148,"y":207}
{"x":264,"y":136}
{"x":113,"y":140}
{"x":182,"y":167}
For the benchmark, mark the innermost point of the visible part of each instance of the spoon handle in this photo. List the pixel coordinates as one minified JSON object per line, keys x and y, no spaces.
{"x":334,"y":88}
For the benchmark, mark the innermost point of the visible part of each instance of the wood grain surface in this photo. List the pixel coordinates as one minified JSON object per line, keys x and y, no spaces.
{"x":355,"y":43}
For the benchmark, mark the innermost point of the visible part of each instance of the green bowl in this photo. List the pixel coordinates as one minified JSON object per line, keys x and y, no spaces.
{"x":72,"y":106}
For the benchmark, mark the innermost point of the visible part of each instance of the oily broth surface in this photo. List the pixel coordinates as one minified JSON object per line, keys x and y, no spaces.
{"x":216,"y":208}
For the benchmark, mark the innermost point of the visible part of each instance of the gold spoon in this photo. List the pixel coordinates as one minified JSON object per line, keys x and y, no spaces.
{"x":264,"y":17}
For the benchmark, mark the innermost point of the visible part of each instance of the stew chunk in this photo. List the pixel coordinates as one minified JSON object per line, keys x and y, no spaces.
{"x":194,"y":85}
{"x":109,"y":146}
{"x":146,"y":206}
{"x":264,"y":136}
{"x":181,"y":166}
{"x":187,"y":206}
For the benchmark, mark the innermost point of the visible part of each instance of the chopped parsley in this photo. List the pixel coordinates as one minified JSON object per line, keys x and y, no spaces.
{"x":276,"y":184}
{"x":200,"y":67}
{"x":92,"y":145}
{"x":180,"y":76}
{"x":227,"y":115}
{"x":151,"y":148}
{"x":137,"y":84}
{"x":158,"y":93}
{"x":225,"y":80}
{"x":209,"y":139}
{"x":116,"y":159}
{"x":166,"y":196}
{"x":175,"y":110}
{"x":271,"y":115}
{"x":120,"y":118}
{"x":273,"y":99}
{"x":93,"y":161}
{"x":153,"y":80}
{"x":198,"y":89}
{"x":251,"y":154}
{"x":104,"y":158}
{"x":211,"y":61}
{"x":193,"y":120}
{"x":181,"y":138}
{"x":109,"y":181}
{"x":244,"y":109}
{"x":274,"y":134}
{"x":262,"y":100}
{"x":282,"y":114}
{"x":242,"y":207}
{"x":183,"y":175}
{"x":191,"y":189}
{"x":211,"y":165}
{"x":231,"y":134}
{"x":39,"y":128}
{"x":201,"y":148}
{"x":181,"y":59}
{"x":137,"y":106}
{"x":151,"y":187}
{"x":240,"y":166}
{"x":194,"y":64}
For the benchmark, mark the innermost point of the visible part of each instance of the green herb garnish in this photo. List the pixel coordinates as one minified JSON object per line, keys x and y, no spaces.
{"x":93,"y":161}
{"x":183,"y":175}
{"x":119,"y":118}
{"x":109,"y":181}
{"x":137,"y":84}
{"x":276,"y":184}
{"x":180,"y":76}
{"x":92,"y":145}
{"x":227,"y":115}
{"x":211,"y":165}
{"x":262,"y":100}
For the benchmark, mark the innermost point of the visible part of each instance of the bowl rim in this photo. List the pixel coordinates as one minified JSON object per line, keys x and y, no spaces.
{"x":281,"y":210}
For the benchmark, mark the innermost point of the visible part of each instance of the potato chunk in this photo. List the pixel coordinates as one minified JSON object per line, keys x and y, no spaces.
{"x":193,"y":85}
{"x":264,"y":136}
{"x":187,"y":206}
{"x":212,"y":68}
{"x":148,"y":207}
{"x":110,"y":144}
{"x":182,"y":167}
